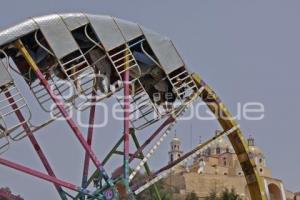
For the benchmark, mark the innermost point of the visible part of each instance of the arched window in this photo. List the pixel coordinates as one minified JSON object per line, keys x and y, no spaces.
{"x":261,"y":170}
{"x":275,"y":192}
{"x":208,"y":151}
{"x":218,"y":150}
{"x":227,"y":149}
{"x":172,"y":158}
{"x":225,"y":162}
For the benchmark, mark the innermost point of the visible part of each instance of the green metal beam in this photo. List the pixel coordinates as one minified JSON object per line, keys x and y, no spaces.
{"x":122,"y":153}
{"x":141,"y":156}
{"x":96,"y":173}
{"x":106,"y":159}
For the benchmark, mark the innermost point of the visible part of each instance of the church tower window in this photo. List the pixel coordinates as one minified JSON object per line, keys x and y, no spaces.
{"x":218,"y":150}
{"x":227,"y":149}
{"x":208,"y":151}
{"x":261,"y":170}
{"x":225,"y":162}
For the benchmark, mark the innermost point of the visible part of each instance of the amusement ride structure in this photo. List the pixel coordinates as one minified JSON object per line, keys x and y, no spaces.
{"x":71,"y":62}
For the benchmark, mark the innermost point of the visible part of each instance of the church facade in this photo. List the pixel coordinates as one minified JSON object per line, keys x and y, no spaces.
{"x":217,"y":168}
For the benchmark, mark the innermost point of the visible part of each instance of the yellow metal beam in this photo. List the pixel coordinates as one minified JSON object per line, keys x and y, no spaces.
{"x":254,"y":181}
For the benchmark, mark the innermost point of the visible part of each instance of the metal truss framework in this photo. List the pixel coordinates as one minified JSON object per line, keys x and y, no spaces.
{"x":110,"y":187}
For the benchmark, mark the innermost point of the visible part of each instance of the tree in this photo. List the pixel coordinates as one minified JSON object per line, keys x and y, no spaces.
{"x":225,"y":195}
{"x":149,"y":194}
{"x":5,"y":194}
{"x":212,"y":196}
{"x":229,"y":195}
{"x":192,"y":196}
{"x":164,"y":191}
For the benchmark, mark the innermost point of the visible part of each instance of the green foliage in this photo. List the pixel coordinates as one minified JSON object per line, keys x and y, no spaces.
{"x":192,"y":196}
{"x":225,"y":195}
{"x":230,"y":195}
{"x":212,"y":196}
{"x":149,"y":194}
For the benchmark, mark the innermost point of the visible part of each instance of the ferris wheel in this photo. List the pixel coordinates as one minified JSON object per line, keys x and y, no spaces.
{"x":70,"y":62}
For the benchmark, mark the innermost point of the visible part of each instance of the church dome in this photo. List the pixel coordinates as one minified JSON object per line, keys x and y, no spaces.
{"x":175,"y":140}
{"x":254,"y":150}
{"x":221,"y":145}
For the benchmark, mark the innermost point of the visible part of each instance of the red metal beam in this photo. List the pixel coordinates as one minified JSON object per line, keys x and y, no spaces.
{"x":60,"y":106}
{"x":126,"y":120}
{"x":89,"y":140}
{"x":40,"y":175}
{"x":34,"y":142}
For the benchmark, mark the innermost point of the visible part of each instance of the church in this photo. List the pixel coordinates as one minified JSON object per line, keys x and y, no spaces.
{"x":217,"y":168}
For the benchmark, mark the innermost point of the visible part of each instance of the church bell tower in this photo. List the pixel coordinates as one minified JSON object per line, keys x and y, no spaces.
{"x":175,"y":151}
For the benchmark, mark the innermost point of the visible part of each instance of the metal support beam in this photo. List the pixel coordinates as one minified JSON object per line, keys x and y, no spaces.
{"x":137,"y":153}
{"x":147,"y":168}
{"x":214,"y":103}
{"x":105,"y":160}
{"x":114,"y":149}
{"x":64,"y":113}
{"x":43,"y":176}
{"x":89,"y":140}
{"x":34,"y":143}
{"x":182,"y":158}
{"x":160,"y":128}
{"x":126,"y":122}
{"x":122,"y":153}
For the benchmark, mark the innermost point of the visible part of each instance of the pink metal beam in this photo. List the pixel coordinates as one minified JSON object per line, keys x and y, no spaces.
{"x":74,"y":127}
{"x":33,"y":141}
{"x":60,"y":106}
{"x":160,"y":128}
{"x":40,"y":175}
{"x":89,"y":140}
{"x":126,"y":123}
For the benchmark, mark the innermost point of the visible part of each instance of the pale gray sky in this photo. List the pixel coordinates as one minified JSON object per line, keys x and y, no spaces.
{"x":247,"y":50}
